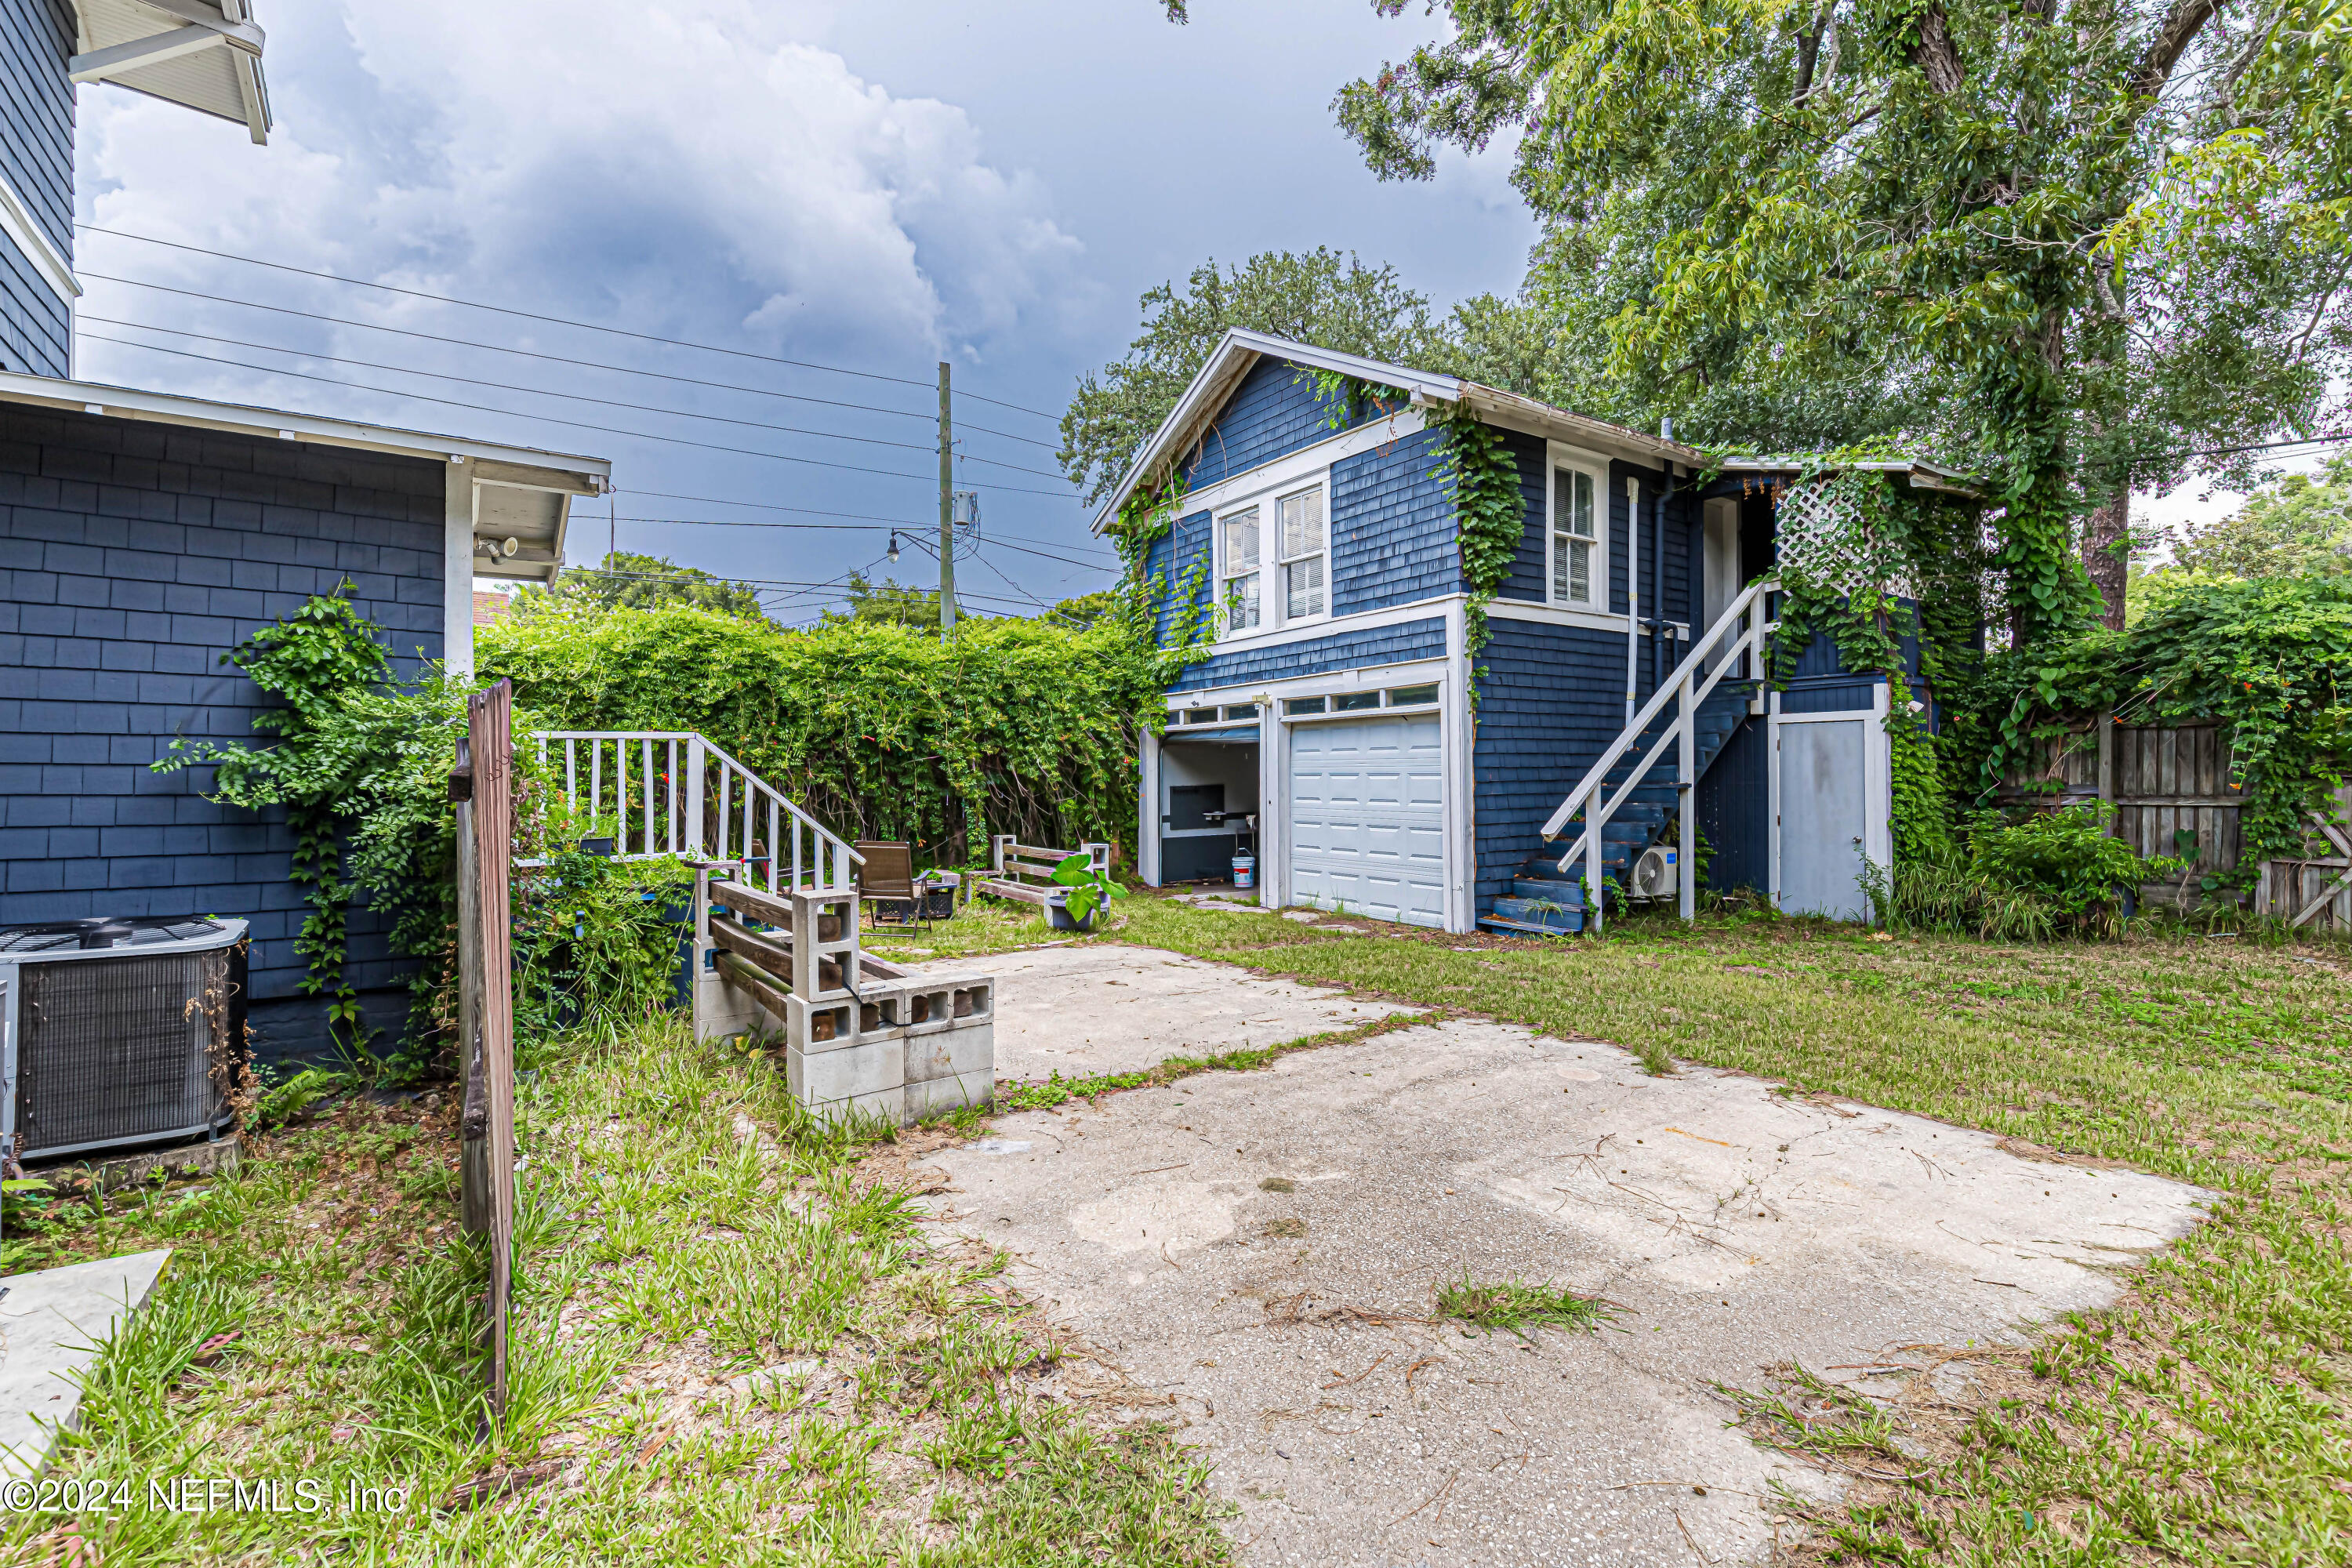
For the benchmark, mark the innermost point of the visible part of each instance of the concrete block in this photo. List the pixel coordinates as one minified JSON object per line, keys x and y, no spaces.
{"x":874,"y":1067}
{"x":939,"y":1096}
{"x":969,"y":1052}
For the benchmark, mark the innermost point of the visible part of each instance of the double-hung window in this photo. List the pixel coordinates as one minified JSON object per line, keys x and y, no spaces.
{"x":1241,"y":595}
{"x":1575,"y":559}
{"x":1302,"y":553}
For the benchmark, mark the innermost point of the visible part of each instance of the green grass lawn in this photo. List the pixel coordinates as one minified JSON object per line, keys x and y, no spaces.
{"x":731,"y":1346}
{"x":734,"y":1347}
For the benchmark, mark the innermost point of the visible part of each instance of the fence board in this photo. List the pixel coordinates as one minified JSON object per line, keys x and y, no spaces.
{"x":490,"y":736}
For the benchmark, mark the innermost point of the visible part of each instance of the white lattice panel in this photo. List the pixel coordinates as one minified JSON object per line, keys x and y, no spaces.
{"x":1825,"y":538}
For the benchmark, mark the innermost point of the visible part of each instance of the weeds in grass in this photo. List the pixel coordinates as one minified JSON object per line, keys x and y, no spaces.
{"x":1058,"y":1090}
{"x":663,"y":1257}
{"x":1515,"y":1308}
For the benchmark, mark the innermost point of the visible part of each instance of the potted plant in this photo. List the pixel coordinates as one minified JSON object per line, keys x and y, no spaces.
{"x":1084,"y":892}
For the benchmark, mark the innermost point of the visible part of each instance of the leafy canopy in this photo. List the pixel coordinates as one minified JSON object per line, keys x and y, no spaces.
{"x":2296,"y":524}
{"x":626,"y":581}
{"x":1318,"y":297}
{"x":886,"y":604}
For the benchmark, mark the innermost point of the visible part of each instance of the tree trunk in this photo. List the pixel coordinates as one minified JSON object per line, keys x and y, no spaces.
{"x":1936,"y":54}
{"x":2106,"y":550}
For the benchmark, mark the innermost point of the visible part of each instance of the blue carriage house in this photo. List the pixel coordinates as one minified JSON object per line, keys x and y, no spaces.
{"x":1330,"y":736}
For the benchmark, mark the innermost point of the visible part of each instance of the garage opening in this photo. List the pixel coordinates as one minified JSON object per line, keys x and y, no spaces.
{"x":1208,"y":804}
{"x":1367,"y":815}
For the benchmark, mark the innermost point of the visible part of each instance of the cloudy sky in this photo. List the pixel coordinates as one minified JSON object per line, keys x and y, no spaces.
{"x":874,"y":187}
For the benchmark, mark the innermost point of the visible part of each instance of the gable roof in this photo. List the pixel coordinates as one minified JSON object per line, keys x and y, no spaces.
{"x":1238,"y":351}
{"x":203,"y":54}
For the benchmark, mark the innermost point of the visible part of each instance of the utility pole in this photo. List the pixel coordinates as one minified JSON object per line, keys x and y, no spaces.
{"x":946,"y":509}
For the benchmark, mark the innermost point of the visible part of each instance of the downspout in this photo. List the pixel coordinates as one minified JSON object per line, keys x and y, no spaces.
{"x":1659,"y":663}
{"x":1632,"y":596}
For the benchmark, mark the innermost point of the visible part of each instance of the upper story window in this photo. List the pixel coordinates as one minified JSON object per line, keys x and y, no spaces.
{"x":1577,"y":563}
{"x":1241,"y":575}
{"x":1273,"y":566}
{"x":1303,"y":554}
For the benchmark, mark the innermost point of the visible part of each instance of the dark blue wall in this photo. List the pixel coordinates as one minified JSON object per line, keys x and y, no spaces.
{"x":1682,"y":536}
{"x":1317,"y":656}
{"x":133,"y":555}
{"x":1274,"y":410}
{"x":1735,"y":812}
{"x":36,"y":129}
{"x":1551,"y":700}
{"x":1392,"y":532}
{"x":1184,"y":546}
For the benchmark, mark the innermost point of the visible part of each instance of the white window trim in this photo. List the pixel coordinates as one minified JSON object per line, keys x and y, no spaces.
{"x":1224,"y":575}
{"x":1596,"y":468}
{"x":1273,"y":593}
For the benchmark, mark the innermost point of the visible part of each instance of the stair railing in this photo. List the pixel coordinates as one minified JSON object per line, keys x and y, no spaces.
{"x":673,"y":793}
{"x":1734,"y":632}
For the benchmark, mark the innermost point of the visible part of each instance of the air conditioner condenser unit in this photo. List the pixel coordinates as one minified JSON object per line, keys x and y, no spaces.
{"x":119,"y":1032}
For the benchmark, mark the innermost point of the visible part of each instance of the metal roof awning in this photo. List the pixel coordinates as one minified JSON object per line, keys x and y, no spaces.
{"x":205,"y":55}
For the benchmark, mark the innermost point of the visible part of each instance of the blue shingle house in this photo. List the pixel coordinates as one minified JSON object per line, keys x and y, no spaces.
{"x":142,"y":535}
{"x":1330,"y":730}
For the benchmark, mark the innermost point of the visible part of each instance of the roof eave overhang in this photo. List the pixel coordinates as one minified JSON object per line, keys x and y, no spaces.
{"x":563,"y":471}
{"x":1920,"y":474}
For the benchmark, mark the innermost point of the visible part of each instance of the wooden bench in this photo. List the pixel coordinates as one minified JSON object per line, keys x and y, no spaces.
{"x":1026,"y":872}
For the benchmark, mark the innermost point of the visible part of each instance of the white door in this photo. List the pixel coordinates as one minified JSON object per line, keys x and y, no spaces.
{"x":1831,"y":801}
{"x":1367,"y":818}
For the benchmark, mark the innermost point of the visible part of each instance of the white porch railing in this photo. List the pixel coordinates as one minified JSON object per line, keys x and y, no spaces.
{"x":673,"y":793}
{"x":1736,"y":631}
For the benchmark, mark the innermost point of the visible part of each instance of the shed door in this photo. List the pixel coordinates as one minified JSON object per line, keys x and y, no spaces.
{"x":1825,"y":817}
{"x":1367,"y":818}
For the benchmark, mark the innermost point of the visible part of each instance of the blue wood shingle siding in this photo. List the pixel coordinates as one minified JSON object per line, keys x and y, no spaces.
{"x":1526,"y":582}
{"x":1340,"y":649}
{"x":1273,"y":411}
{"x":36,"y":129}
{"x":133,"y":555}
{"x":1552,"y":699}
{"x":1392,"y":527}
{"x":1173,"y":557}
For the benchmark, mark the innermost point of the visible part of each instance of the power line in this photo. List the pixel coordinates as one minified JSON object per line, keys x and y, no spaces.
{"x":532,"y":315}
{"x":549,"y":418}
{"x":770,"y":506}
{"x":542,"y":391}
{"x":209,"y":299}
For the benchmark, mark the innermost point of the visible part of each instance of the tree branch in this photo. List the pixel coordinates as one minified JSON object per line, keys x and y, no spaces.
{"x":2179,"y":30}
{"x":1936,"y":54}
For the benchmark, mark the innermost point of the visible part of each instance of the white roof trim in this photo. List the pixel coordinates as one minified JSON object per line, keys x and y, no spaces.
{"x":1239,"y":350}
{"x":16,"y":222}
{"x":203,"y":55}
{"x":593,"y":475}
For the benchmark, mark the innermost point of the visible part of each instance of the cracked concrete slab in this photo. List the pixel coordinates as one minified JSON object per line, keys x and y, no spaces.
{"x":1108,"y":1009}
{"x":52,"y":1325}
{"x":1258,"y":1246}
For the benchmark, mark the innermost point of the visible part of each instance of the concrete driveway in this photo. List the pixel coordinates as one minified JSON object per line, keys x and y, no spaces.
{"x":1263,"y":1250}
{"x":1086,"y":1009}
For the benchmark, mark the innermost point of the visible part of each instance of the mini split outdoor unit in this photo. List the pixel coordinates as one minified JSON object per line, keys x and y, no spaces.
{"x":119,"y":1032}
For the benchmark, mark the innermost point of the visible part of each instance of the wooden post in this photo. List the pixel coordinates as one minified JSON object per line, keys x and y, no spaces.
{"x":2106,"y":727}
{"x":473,"y":1161}
{"x":490,"y":733}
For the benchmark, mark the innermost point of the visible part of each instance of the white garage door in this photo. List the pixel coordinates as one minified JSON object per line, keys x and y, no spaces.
{"x":1367,"y":820}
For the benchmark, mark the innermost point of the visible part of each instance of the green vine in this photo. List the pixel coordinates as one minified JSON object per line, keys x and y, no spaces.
{"x":1344,"y":397}
{"x":323,"y":653}
{"x":1490,"y":515}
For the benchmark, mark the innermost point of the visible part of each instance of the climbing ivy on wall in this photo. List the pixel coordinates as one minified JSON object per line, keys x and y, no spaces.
{"x":1476,"y":467}
{"x":347,"y":741}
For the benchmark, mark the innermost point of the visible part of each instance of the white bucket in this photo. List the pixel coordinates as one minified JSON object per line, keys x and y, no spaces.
{"x":1244,"y":870}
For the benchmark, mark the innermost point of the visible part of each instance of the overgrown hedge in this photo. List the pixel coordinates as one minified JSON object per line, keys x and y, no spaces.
{"x":879,"y":731}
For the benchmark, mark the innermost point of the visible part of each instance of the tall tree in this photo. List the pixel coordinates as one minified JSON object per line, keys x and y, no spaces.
{"x":1320,"y":296}
{"x":624,"y":580}
{"x":887,"y":603}
{"x":2295,"y":525}
{"x":2091,"y":237}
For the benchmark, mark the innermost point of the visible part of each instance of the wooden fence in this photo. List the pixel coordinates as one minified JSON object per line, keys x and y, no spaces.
{"x":2173,"y":797}
{"x":482,"y":789}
